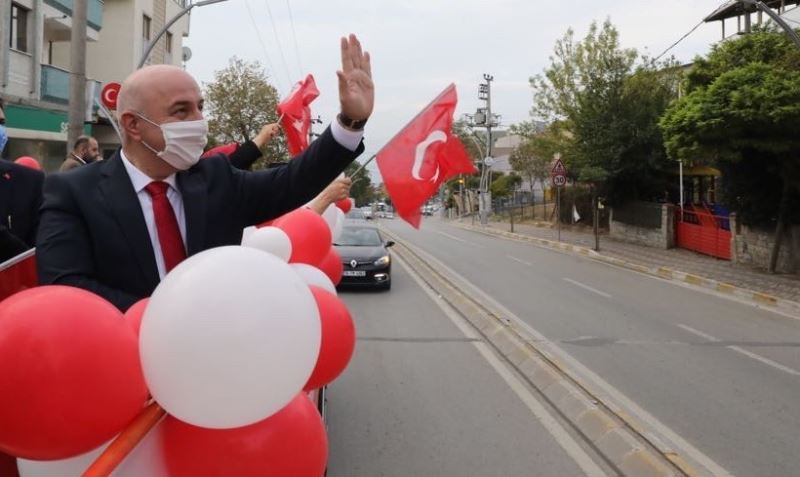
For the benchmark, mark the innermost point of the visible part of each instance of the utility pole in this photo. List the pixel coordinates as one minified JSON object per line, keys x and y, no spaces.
{"x":484,"y":118}
{"x":77,"y":77}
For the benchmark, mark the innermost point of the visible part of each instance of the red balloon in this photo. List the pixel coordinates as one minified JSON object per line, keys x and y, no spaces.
{"x":291,"y":442}
{"x":134,"y":315}
{"x":338,"y":339}
{"x":267,"y":223}
{"x":345,"y":204}
{"x":69,"y":373}
{"x":332,"y":266}
{"x":29,"y":161}
{"x":309,"y":233}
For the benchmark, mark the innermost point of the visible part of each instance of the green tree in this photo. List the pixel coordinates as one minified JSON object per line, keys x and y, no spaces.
{"x":240,"y":101}
{"x":606,"y":102}
{"x":534,"y":156}
{"x":742,"y":113}
{"x":504,"y":185}
{"x":362,"y":190}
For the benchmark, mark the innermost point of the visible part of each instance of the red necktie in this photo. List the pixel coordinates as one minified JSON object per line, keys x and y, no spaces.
{"x":169,"y":235}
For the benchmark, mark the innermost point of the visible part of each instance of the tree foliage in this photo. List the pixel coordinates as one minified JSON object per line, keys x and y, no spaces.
{"x":606,"y":102}
{"x":362,"y":189}
{"x":742,"y":114}
{"x":503,"y":185}
{"x":534,"y":156}
{"x":240,"y":101}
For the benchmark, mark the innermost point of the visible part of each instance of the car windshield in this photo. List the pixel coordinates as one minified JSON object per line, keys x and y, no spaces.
{"x":359,"y":237}
{"x":355,"y":214}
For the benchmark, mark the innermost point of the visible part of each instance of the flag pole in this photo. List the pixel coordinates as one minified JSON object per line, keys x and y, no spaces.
{"x":125,"y":442}
{"x":362,"y":167}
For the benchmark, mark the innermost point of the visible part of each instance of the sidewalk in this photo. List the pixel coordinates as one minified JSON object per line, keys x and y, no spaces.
{"x":781,"y":286}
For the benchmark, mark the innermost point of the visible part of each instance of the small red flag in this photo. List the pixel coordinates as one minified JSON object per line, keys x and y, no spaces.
{"x":296,"y":114}
{"x":422,"y":156}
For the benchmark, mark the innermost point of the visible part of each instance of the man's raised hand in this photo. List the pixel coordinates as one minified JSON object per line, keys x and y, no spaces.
{"x":356,"y":90}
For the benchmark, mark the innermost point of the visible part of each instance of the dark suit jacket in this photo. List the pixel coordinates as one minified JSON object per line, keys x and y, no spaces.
{"x":20,"y":199}
{"x":93,"y":234}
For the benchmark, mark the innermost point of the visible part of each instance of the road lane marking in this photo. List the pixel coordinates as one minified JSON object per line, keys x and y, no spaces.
{"x":518,"y":260}
{"x":698,"y":333}
{"x":587,"y":287}
{"x":458,"y":239}
{"x":543,"y":416}
{"x":740,"y":350}
{"x":667,"y":440}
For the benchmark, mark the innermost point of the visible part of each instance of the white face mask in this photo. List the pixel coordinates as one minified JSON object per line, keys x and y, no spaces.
{"x":184,"y":142}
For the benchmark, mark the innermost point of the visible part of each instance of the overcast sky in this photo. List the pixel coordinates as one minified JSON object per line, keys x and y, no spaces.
{"x":418,"y":47}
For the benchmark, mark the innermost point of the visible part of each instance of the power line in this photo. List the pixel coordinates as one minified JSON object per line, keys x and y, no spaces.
{"x":278,"y":43}
{"x":261,"y":40}
{"x":294,"y":36}
{"x":679,"y":41}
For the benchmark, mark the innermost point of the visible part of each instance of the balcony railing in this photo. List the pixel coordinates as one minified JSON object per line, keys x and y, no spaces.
{"x":55,"y":86}
{"x":94,"y":15}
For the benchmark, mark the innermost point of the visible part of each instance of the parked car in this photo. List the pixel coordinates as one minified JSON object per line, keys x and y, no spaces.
{"x":365,"y":257}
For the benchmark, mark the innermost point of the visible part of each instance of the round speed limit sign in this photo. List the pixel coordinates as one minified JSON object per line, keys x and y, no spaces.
{"x":559,"y":181}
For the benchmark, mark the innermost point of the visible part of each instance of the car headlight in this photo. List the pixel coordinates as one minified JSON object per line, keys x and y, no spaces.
{"x":383,"y":260}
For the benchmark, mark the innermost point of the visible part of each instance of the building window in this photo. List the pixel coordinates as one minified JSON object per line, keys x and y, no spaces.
{"x":145,"y":28}
{"x":169,"y":43}
{"x":19,"y":27}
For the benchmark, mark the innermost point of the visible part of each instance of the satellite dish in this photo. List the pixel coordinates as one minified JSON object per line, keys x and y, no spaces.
{"x":187,"y":53}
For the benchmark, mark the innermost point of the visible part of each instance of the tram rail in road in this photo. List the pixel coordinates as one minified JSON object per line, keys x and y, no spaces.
{"x":625,"y":437}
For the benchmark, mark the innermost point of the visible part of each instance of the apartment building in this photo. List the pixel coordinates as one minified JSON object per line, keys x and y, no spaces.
{"x":35,"y":65}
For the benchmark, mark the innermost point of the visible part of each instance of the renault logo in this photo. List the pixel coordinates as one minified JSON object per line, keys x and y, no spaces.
{"x":353,"y":263}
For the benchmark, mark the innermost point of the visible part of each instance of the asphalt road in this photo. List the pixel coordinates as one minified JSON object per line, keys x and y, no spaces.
{"x":420,"y":398}
{"x":723,"y":375}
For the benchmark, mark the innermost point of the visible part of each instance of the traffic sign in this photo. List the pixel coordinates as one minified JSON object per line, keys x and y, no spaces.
{"x":109,"y":95}
{"x":559,"y":173}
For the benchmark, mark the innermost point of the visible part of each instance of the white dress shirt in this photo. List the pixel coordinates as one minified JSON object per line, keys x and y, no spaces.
{"x":346,"y":138}
{"x":140,"y":180}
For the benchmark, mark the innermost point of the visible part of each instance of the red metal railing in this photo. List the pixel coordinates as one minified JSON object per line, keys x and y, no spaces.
{"x":698,"y":229}
{"x":17,"y":274}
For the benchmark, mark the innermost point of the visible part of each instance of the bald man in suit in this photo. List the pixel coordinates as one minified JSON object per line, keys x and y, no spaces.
{"x":116,"y":227}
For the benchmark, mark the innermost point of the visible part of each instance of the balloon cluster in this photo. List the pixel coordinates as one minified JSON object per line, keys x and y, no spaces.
{"x":229,"y":345}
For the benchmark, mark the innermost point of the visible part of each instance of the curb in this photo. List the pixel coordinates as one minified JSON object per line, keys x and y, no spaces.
{"x":666,"y":273}
{"x":604,"y":430}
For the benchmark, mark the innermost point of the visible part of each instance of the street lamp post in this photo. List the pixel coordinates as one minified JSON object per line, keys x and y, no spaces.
{"x":775,"y":17}
{"x":177,"y":17}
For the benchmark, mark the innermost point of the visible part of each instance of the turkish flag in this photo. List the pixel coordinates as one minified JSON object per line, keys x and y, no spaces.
{"x":296,"y":115}
{"x":422,"y":156}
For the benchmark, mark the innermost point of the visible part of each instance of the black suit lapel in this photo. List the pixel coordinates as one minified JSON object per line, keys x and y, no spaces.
{"x":192,"y":186}
{"x":125,"y":207}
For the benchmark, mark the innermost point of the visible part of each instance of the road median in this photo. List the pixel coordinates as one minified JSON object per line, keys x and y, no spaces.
{"x":623,"y":445}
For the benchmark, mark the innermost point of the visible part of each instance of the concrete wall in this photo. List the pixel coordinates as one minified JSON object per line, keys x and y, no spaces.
{"x":662,"y":237}
{"x":753,"y":247}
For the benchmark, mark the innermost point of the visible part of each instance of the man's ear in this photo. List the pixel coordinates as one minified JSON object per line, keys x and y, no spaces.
{"x":130,"y":123}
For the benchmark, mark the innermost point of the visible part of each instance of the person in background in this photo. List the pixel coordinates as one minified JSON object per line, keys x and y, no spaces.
{"x":20,"y":198}
{"x":85,"y":151}
{"x":242,"y":156}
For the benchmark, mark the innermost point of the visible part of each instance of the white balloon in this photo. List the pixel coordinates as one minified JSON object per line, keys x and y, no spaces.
{"x":337,"y":232}
{"x":229,"y":337}
{"x":272,"y":240}
{"x":145,"y":459}
{"x":247,"y":231}
{"x":331,"y":217}
{"x":314,"y":276}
